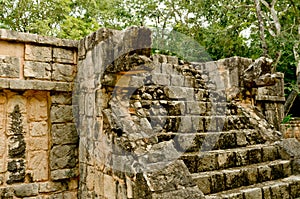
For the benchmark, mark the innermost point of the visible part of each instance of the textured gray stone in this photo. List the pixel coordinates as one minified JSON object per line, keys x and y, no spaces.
{"x":63,"y":72}
{"x":64,"y":55}
{"x":10,"y":66}
{"x":64,"y":174}
{"x":26,"y":190}
{"x":61,"y":113}
{"x":64,"y":134}
{"x":37,"y":70}
{"x":64,"y":156}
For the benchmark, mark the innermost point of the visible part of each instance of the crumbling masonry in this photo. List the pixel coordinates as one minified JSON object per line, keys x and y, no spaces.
{"x":102,"y":118}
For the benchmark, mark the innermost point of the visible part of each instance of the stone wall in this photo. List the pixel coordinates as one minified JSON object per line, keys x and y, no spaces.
{"x":38,"y":139}
{"x":136,"y":115}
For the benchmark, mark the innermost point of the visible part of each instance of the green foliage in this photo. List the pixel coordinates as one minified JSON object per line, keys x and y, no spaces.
{"x":217,"y":26}
{"x":287,"y":119}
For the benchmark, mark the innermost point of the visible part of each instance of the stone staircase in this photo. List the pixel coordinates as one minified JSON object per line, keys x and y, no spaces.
{"x":239,"y":163}
{"x":177,"y":112}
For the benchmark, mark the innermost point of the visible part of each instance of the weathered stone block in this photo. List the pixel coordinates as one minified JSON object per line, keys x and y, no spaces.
{"x":38,"y":164}
{"x":64,"y":174}
{"x":203,"y":182}
{"x":64,"y":134}
{"x":38,"y":143}
{"x":11,"y":49}
{"x":177,"y":80}
{"x":167,"y":178}
{"x":64,"y":55}
{"x":252,"y":193}
{"x":38,"y":70}
{"x":208,"y":162}
{"x":218,"y":182}
{"x":10,"y":66}
{"x":161,"y":79}
{"x":26,"y":190}
{"x":264,"y":173}
{"x":38,"y":108}
{"x":63,"y":72}
{"x":62,"y":157}
{"x":61,"y":113}
{"x":38,"y":129}
{"x":47,"y":187}
{"x":280,"y":190}
{"x":38,"y":53}
{"x":196,"y":108}
{"x":61,"y":98}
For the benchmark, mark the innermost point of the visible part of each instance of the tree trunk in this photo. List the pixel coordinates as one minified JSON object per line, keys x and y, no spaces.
{"x":261,"y":28}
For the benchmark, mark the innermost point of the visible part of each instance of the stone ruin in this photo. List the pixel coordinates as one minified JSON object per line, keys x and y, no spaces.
{"x":103,"y":118}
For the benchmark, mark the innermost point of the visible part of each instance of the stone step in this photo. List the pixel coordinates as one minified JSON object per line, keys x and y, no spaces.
{"x":222,"y":159}
{"x":217,"y":140}
{"x":286,"y":188}
{"x":194,"y":123}
{"x":221,"y":180}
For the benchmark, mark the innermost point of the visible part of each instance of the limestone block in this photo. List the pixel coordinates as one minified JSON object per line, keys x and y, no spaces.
{"x":185,"y":125}
{"x":38,"y":129}
{"x":17,"y":100}
{"x":38,"y":70}
{"x":37,"y":85}
{"x":63,"y":55}
{"x":218,"y":182}
{"x":38,"y":164}
{"x":61,"y":113}
{"x":10,"y":66}
{"x":264,"y":173}
{"x":109,"y":187}
{"x":161,"y":79}
{"x":38,"y":143}
{"x":252,"y":193}
{"x":26,"y":190}
{"x":196,"y":108}
{"x":64,"y":174}
{"x":167,"y":68}
{"x":177,"y":80}
{"x":47,"y":187}
{"x":234,"y":178}
{"x":64,"y":134}
{"x":38,"y":53}
{"x":63,"y":72}
{"x":38,"y":108}
{"x":64,"y":156}
{"x":167,"y":178}
{"x":203,"y":182}
{"x":174,"y":92}
{"x":12,"y":49}
{"x":280,"y":190}
{"x":61,"y":98}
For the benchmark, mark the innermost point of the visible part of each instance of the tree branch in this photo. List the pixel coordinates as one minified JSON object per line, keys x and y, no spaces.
{"x":261,"y":28}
